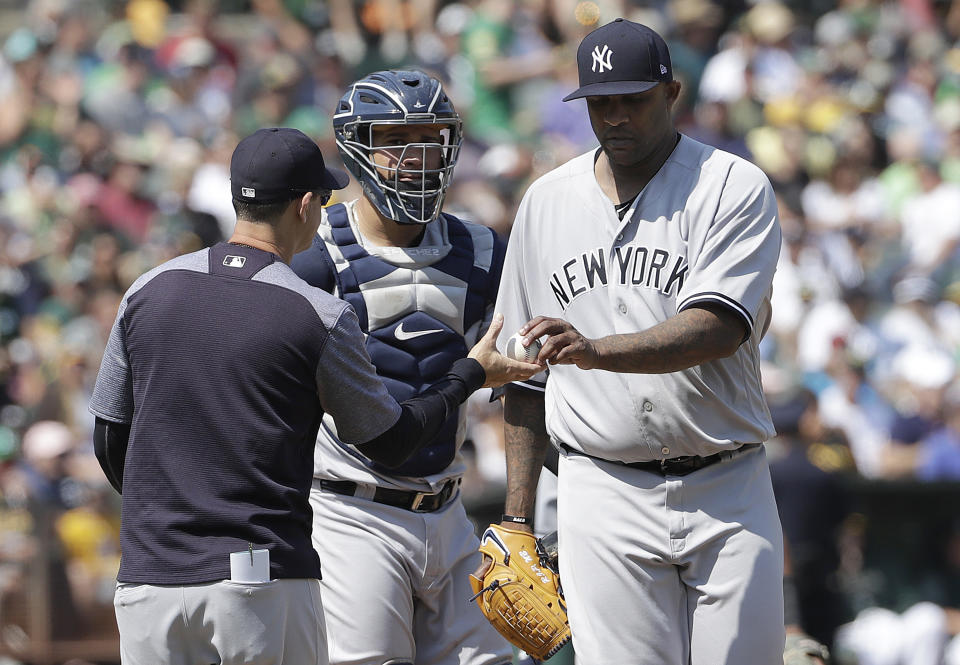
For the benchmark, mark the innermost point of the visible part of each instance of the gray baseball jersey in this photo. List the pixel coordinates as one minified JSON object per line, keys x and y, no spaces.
{"x":704,"y":230}
{"x":658,"y":569}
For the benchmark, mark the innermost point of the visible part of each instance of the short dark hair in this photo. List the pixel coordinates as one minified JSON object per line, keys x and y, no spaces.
{"x":264,"y":213}
{"x":267,"y":213}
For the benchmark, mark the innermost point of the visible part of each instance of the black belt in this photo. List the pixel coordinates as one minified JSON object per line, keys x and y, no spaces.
{"x":674,"y":466}
{"x":418,"y":502}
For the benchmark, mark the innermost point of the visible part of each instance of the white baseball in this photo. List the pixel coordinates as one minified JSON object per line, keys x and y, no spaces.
{"x":517,"y":351}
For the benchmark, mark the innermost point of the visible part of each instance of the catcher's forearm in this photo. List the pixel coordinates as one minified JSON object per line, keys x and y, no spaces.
{"x":526,"y":442}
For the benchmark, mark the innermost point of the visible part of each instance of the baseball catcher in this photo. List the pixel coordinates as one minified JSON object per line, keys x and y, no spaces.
{"x":518,"y":589}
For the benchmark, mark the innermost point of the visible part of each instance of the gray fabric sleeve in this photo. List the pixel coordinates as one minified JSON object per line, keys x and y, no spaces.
{"x":113,"y":392}
{"x":512,"y":297}
{"x":736,"y":264}
{"x":348,"y":385}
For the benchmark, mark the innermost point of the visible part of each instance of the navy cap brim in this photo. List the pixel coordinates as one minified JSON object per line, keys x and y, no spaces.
{"x":611,"y":88}
{"x":334,"y":179}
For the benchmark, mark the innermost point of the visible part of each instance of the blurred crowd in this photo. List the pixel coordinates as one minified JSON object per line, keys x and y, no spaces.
{"x":118,"y":120}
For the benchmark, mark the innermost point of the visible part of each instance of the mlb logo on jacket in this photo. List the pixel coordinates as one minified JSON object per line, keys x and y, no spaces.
{"x":234,"y":261}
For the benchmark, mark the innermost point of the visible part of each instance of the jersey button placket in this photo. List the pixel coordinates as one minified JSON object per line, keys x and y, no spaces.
{"x":644,"y":407}
{"x":648,"y":407}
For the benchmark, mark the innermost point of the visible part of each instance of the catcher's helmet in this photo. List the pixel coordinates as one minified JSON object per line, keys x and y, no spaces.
{"x":404,"y":193}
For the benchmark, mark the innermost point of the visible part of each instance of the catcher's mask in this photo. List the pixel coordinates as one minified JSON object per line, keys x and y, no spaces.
{"x":409,"y":180}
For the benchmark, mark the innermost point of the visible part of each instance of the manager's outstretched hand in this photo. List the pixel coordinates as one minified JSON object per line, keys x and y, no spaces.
{"x":499,"y":368}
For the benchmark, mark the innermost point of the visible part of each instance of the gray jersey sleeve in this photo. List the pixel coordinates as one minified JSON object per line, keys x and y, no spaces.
{"x":348,"y":385}
{"x":737,"y":259}
{"x":113,"y":392}
{"x":513,"y":299}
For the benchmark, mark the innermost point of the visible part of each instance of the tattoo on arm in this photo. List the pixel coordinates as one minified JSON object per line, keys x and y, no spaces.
{"x":526,"y":446}
{"x":692,"y":337}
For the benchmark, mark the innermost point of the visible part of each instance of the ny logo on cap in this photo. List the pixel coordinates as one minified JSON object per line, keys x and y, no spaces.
{"x":234,"y":261}
{"x":601,"y":59}
{"x":248,"y":191}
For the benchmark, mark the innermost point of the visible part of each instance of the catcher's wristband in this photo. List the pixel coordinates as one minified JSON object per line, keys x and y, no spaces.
{"x":516,"y":519}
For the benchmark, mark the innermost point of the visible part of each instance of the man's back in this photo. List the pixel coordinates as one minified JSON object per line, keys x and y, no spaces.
{"x":224,"y":353}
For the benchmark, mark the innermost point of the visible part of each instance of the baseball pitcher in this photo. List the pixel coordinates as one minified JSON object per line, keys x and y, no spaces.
{"x":645,"y":268}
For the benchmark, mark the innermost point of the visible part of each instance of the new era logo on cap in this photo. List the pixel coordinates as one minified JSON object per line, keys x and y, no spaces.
{"x":247,"y":191}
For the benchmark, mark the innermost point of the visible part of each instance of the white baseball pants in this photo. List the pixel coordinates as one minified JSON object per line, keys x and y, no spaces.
{"x":676,"y":570}
{"x":228,"y":623}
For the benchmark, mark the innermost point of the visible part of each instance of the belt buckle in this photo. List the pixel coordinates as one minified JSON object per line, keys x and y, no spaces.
{"x":445,"y":492}
{"x":679,"y":465}
{"x":418,"y":500}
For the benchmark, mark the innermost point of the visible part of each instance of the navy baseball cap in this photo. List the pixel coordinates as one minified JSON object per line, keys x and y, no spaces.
{"x":277,"y":164}
{"x":621,"y":58}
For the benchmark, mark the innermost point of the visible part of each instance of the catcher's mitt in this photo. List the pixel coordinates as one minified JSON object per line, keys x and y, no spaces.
{"x":518,"y":591}
{"x":802,"y":649}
